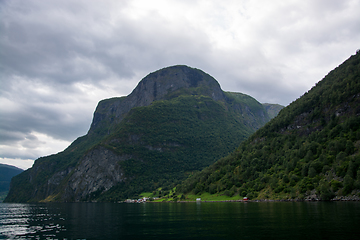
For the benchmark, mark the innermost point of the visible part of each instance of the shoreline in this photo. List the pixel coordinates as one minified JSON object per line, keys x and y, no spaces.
{"x":342,"y":199}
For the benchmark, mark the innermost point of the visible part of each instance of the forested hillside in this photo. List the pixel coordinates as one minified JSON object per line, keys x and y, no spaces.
{"x":176,"y":121}
{"x":309,"y":151}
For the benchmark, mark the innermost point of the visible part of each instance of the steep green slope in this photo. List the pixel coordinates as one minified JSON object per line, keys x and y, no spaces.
{"x":170,"y":139}
{"x":176,"y":121}
{"x":310,"y":150}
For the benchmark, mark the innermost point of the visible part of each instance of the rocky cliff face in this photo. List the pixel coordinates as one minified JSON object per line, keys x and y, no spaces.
{"x":98,"y":171}
{"x":177,"y":120}
{"x":157,"y":86}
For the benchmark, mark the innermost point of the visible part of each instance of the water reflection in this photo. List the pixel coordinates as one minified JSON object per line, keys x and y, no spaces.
{"x":25,"y":220}
{"x":180,"y":221}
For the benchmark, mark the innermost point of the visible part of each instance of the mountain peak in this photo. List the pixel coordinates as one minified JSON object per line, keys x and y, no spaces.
{"x":162,"y":84}
{"x":177,"y":120}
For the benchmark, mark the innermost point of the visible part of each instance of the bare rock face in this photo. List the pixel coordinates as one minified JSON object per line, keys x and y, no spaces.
{"x":91,"y":165}
{"x":98,"y":171}
{"x":156,"y":86}
{"x":55,"y":181}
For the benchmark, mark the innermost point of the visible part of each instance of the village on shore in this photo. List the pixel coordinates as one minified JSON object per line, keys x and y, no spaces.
{"x":146,"y":199}
{"x":245,"y":199}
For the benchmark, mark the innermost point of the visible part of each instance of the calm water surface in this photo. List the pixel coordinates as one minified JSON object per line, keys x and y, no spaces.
{"x":271,"y":220}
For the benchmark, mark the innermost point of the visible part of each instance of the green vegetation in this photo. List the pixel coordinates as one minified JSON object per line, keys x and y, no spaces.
{"x":26,"y":183}
{"x":174,"y":137}
{"x":171,"y":139}
{"x":310,"y":150}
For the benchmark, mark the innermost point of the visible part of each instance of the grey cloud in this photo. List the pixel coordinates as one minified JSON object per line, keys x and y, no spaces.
{"x":31,"y":142}
{"x":51,"y":54}
{"x":52,"y":114}
{"x":9,"y":136}
{"x":18,"y":154}
{"x":49,"y":48}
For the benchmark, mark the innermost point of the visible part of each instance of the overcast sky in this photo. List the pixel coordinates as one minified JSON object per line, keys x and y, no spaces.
{"x":59,"y":58}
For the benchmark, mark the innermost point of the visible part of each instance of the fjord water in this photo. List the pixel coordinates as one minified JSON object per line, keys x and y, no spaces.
{"x":216,"y":220}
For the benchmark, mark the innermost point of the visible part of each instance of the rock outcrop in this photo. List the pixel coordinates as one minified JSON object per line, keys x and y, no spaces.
{"x":98,"y":171}
{"x":156,"y":86}
{"x":176,"y":121}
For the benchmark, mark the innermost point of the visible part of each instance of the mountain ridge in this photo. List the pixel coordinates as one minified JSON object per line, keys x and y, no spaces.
{"x":155,"y":87}
{"x":310,"y":150}
{"x":177,"y":120}
{"x":6,"y":174}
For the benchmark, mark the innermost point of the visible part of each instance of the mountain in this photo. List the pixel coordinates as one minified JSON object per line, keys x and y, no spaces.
{"x":310,"y":150}
{"x":176,"y":121}
{"x":272,"y":109}
{"x":6,"y":173}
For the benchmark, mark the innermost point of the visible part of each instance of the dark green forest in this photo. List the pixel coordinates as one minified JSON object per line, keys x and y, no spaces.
{"x":309,"y":151}
{"x":163,"y":143}
{"x":169,"y":140}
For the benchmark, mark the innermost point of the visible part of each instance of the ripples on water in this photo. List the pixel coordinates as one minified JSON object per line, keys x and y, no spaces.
{"x":181,"y":221}
{"x":29,"y":221}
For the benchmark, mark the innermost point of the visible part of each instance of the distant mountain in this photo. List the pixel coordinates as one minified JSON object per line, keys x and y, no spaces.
{"x":176,"y":121}
{"x":6,"y":173}
{"x":310,"y":150}
{"x":272,"y":109}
